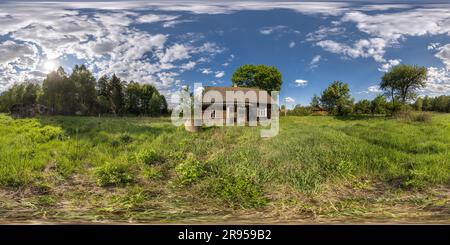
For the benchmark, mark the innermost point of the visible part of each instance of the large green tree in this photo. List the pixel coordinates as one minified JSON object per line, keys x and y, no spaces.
{"x":117,"y":98}
{"x":85,"y":84}
{"x":258,"y":76}
{"x":59,"y":93}
{"x":336,"y":99}
{"x":403,"y":81}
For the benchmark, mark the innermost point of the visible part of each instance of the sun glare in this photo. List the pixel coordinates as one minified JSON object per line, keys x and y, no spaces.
{"x":50,"y":66}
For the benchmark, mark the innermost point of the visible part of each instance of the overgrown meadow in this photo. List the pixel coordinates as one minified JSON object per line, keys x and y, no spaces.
{"x":139,"y":169}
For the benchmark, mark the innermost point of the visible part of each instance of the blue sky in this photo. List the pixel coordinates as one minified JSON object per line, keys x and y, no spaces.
{"x":176,"y":43}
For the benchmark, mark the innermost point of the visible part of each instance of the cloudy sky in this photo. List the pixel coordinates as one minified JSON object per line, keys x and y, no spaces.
{"x":176,"y":43}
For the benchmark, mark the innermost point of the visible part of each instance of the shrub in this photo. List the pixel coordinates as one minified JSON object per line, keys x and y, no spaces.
{"x":152,"y":173}
{"x":238,"y":190}
{"x":422,"y":117}
{"x":300,"y":111}
{"x":190,"y":170}
{"x":113,"y":174}
{"x":411,"y":116}
{"x":149,"y":157}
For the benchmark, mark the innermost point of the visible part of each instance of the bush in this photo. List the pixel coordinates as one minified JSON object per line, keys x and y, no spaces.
{"x":113,"y":174}
{"x":149,"y":157}
{"x":190,"y":170}
{"x":152,"y":173}
{"x":422,"y":117}
{"x":411,"y":116}
{"x":238,"y":190}
{"x":300,"y":111}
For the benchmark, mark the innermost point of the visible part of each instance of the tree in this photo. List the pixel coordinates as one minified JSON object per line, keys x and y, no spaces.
{"x":81,"y":94}
{"x":379,"y":105}
{"x":20,"y":93}
{"x":117,"y":98}
{"x":258,"y":76}
{"x":427,"y":104}
{"x":418,"y":105}
{"x":85,"y":84}
{"x":363,"y":107}
{"x":133,"y":98}
{"x":155,"y":105}
{"x":336,"y":99}
{"x":59,"y":93}
{"x":315,"y":101}
{"x":441,"y":103}
{"x":403,"y":81}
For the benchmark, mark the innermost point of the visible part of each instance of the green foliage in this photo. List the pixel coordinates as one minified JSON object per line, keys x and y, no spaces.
{"x":363,"y":107}
{"x":152,"y":173}
{"x":80,"y":94}
{"x":85,"y":93}
{"x":190,"y":170}
{"x":150,"y":157}
{"x":336,"y":99}
{"x":311,"y":161}
{"x":403,"y":81}
{"x":237,"y":190}
{"x":315,"y":101}
{"x":379,"y":105}
{"x":24,"y":93}
{"x":418,"y":105}
{"x":300,"y":111}
{"x":258,"y":76}
{"x":113,"y":174}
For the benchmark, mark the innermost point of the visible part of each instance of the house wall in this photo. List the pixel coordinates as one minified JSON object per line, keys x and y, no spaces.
{"x":221,"y":114}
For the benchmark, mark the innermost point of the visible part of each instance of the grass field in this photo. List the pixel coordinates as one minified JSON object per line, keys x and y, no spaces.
{"x":318,"y":169}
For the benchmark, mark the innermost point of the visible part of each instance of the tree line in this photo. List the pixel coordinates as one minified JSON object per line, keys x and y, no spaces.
{"x":79,"y":93}
{"x":400,"y":86}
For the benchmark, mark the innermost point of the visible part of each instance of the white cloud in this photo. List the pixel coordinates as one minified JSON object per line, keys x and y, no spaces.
{"x":393,"y":26}
{"x":106,"y":40}
{"x":325,"y":32}
{"x":315,"y":61}
{"x":271,"y":29}
{"x":189,"y":66}
{"x":279,"y":29}
{"x":444,"y":55}
{"x":153,"y":18}
{"x":206,"y":71}
{"x":374,"y":89}
{"x":291,"y":44}
{"x":289,"y":100}
{"x":300,"y":82}
{"x":219,"y":74}
{"x":433,"y":46}
{"x":175,"y":52}
{"x":438,"y":82}
{"x":372,"y":47}
{"x":389,"y":64}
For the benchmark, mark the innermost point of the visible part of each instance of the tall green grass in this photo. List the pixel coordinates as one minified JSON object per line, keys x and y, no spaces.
{"x":230,"y":166}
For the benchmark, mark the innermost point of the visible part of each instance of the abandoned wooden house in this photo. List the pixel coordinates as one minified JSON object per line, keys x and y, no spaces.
{"x":246,"y":104}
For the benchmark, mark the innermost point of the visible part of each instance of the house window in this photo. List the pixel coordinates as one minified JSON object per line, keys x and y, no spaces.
{"x":262,"y":112}
{"x":213,"y":113}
